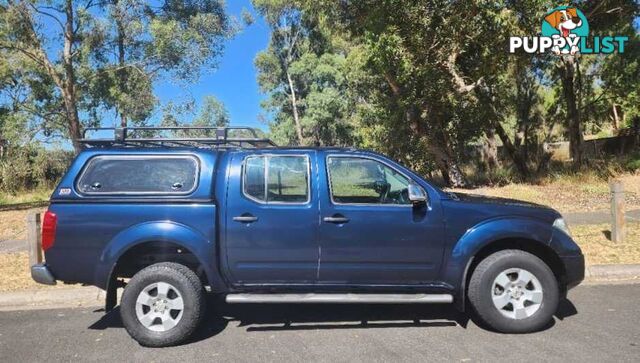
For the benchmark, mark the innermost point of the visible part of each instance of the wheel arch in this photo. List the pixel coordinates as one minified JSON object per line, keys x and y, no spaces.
{"x":162,"y":241}
{"x":540,"y":250}
{"x":492,"y":235}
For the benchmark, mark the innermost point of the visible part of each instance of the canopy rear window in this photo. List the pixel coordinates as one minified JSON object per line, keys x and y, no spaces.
{"x":139,"y":175}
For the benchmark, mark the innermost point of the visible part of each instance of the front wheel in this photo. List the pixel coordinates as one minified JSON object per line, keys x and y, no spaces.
{"x":162,"y":305}
{"x":513,"y":291}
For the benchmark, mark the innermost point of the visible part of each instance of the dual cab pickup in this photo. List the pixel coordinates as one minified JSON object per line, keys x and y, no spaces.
{"x":294,"y":225}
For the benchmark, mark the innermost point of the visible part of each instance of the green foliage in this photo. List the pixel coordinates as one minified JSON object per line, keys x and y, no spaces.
{"x":633,"y":162}
{"x":54,"y":83}
{"x":31,"y":167}
{"x":212,"y":113}
{"x":301,"y":62}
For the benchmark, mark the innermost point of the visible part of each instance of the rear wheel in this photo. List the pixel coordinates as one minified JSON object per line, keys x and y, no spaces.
{"x":162,"y":305}
{"x":513,"y":291}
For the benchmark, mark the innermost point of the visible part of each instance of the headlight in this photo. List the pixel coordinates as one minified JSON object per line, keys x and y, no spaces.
{"x":562,"y":225}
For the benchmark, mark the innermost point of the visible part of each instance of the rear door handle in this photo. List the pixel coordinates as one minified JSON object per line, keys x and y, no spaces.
{"x":245,"y":218}
{"x":336,"y":219}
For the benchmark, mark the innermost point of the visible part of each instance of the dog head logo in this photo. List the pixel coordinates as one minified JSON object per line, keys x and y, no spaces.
{"x":567,"y":22}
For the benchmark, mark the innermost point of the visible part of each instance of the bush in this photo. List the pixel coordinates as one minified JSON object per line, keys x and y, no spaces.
{"x":633,"y":162}
{"x":32,"y":166}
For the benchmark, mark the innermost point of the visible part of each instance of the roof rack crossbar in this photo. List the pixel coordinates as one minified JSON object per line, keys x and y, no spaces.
{"x":122,"y":136}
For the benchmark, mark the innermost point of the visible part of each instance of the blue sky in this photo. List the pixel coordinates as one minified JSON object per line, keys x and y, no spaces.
{"x":234,"y":82}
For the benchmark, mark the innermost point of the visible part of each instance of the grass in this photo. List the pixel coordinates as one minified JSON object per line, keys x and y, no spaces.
{"x":36,"y":195}
{"x":581,"y":192}
{"x":15,"y":274}
{"x":598,"y":249}
{"x":13,"y":224}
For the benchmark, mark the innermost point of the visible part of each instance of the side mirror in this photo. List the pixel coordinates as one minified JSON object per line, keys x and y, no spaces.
{"x":416,"y":194}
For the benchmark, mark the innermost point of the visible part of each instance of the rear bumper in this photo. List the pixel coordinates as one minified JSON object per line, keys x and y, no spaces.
{"x":41,"y":274}
{"x":574,"y":270}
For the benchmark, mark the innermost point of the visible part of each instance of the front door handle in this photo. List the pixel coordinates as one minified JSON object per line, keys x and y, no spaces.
{"x":245,"y":218}
{"x":336,"y":219}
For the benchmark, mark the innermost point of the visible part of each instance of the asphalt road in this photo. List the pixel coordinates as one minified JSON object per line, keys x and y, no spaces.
{"x":599,"y":323}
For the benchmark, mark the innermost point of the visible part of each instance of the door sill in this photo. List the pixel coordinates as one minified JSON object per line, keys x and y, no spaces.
{"x":314,"y":298}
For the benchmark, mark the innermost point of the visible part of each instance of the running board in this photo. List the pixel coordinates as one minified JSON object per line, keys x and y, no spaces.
{"x":340,"y":298}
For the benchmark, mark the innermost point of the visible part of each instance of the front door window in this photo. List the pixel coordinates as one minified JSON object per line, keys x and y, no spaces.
{"x":365,"y":181}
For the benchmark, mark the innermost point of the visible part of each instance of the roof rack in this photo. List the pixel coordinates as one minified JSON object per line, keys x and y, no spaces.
{"x":146,"y":136}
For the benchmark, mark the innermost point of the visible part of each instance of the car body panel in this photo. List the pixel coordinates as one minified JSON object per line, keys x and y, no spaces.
{"x":281,"y":246}
{"x":380,"y":244}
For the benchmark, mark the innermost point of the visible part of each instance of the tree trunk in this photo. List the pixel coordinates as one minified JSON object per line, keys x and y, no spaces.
{"x":69,"y":88}
{"x":294,"y":106}
{"x":512,"y":150}
{"x":490,"y":151}
{"x":568,"y":71}
{"x":65,"y":81}
{"x":445,"y":160}
{"x":616,"y":118}
{"x":122,"y":75}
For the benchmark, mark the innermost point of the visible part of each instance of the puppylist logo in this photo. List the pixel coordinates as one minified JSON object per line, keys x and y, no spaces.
{"x":565,"y":30}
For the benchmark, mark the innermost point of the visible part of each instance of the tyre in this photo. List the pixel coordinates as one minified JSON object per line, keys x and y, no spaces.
{"x":162,"y":305}
{"x":513,"y":291}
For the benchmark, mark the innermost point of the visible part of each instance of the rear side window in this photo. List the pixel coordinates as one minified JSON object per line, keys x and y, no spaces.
{"x":139,"y":175}
{"x":276,"y":179}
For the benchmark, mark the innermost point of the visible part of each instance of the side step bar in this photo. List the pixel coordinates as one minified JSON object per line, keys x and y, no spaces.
{"x":340,"y":298}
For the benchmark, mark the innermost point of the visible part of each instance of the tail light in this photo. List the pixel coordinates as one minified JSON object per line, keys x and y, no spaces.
{"x":49,"y":224}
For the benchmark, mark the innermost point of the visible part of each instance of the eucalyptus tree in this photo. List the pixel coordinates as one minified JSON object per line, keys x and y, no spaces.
{"x":96,"y":56}
{"x":303,"y":73}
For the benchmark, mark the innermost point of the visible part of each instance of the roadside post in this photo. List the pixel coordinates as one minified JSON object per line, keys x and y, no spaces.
{"x":617,"y":211}
{"x":34,"y":244}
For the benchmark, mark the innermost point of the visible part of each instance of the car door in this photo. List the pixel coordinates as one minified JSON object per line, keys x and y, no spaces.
{"x":271,"y":222}
{"x":370,"y":233}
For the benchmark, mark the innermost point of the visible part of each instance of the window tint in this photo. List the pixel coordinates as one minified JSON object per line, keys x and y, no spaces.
{"x":366,"y":181}
{"x":287,"y":179}
{"x":139,"y":175}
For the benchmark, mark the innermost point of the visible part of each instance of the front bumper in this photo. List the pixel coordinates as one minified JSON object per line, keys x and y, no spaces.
{"x":574,"y":270}
{"x":41,"y":274}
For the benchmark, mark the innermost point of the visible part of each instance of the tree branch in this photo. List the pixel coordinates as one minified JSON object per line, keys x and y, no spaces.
{"x":55,"y":18}
{"x":461,"y":85}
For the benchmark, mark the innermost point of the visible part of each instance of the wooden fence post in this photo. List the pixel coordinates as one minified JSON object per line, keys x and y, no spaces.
{"x":34,"y":243}
{"x":617,"y":211}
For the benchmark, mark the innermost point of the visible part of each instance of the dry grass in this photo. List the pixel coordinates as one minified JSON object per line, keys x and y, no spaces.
{"x":15,"y":274}
{"x":13,"y":224}
{"x":14,"y":267}
{"x":575,"y":193}
{"x":598,"y":249}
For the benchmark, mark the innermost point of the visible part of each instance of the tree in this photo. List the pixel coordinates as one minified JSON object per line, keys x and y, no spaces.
{"x":427,"y":61}
{"x":574,"y":85}
{"x":212,"y":113}
{"x":303,"y":72}
{"x":173,"y":38}
{"x":284,"y":19}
